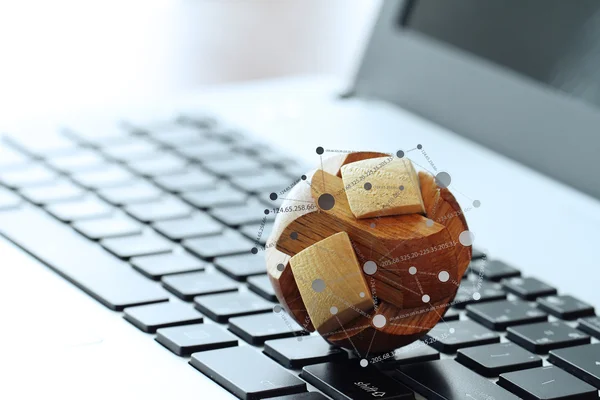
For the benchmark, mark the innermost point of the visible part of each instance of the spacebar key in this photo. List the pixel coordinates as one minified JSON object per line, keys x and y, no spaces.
{"x":447,"y":380}
{"x":109,"y":280}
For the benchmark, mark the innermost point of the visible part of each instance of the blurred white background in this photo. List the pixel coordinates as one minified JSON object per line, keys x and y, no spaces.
{"x":62,"y":55}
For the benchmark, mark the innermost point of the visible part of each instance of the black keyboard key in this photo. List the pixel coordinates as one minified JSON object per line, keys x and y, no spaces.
{"x":451,"y":336}
{"x":82,"y":160}
{"x":221,"y":307}
{"x":590,"y":325}
{"x":470,"y":292}
{"x":253,"y":211}
{"x":447,"y":379}
{"x":545,"y":336}
{"x":494,"y":359}
{"x":187,"y":339}
{"x":189,"y":285}
{"x":265,"y":181}
{"x":107,"y":177}
{"x":350,"y":381}
{"x":162,"y":164}
{"x":82,"y":262}
{"x":27,"y":176}
{"x":581,"y":361}
{"x":159,"y":265}
{"x":191,"y":179}
{"x":240,"y":165}
{"x":478,"y":254}
{"x":565,"y":307}
{"x":87,"y":208}
{"x":174,"y":136}
{"x":500,"y":314}
{"x":451,"y":315}
{"x":131,"y":149}
{"x":8,"y":199}
{"x":247,"y":373}
{"x":162,"y":209}
{"x":114,"y":226}
{"x":221,"y":195}
{"x":255,"y":329}
{"x":55,"y":192}
{"x":139,"y":245}
{"x":242,"y":266}
{"x":301,"y":396}
{"x":135,"y":192}
{"x":11,"y":158}
{"x":414,"y":353}
{"x":296,"y":352}
{"x":206,"y":151}
{"x":198,"y":224}
{"x":261,"y":285}
{"x":228,"y":243}
{"x":528,"y":288}
{"x":493,"y":270}
{"x":150,"y":317}
{"x":547,"y":383}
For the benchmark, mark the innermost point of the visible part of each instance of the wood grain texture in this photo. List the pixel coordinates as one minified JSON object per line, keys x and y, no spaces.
{"x":395,"y":243}
{"x":331,"y":283}
{"x":382,"y":186}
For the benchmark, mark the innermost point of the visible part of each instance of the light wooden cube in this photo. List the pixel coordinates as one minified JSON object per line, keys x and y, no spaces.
{"x":331,"y":283}
{"x":382,"y":186}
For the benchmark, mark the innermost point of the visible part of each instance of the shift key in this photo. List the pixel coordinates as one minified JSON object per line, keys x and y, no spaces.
{"x":350,"y":381}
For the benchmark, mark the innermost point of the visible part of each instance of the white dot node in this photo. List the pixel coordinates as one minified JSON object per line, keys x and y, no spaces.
{"x":379,"y":321}
{"x":412,"y":270}
{"x":466,"y":238}
{"x":333,"y":310}
{"x":425,"y":298}
{"x":364,"y":363}
{"x":362,"y":294}
{"x":370,"y":267}
{"x":476,"y":296}
{"x":429,"y":222}
{"x":443,"y":276}
{"x":452,"y":330}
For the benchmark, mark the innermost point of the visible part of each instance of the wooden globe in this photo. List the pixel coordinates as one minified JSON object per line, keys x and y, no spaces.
{"x":368,"y":252}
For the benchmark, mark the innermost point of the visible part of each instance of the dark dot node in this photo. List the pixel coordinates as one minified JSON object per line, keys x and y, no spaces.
{"x":419,"y":146}
{"x":303,"y":177}
{"x":326,"y":201}
{"x":320,"y":150}
{"x":400,"y":154}
{"x":401,"y":187}
{"x":266,"y":212}
{"x":254,"y":250}
{"x":368,"y":186}
{"x":280,"y":267}
{"x":294,"y":235}
{"x":273,"y":196}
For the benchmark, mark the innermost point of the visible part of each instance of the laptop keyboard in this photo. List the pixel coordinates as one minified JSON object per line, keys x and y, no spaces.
{"x":162,"y":224}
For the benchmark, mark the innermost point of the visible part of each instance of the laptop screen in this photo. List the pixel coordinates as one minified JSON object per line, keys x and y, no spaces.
{"x":555,"y":42}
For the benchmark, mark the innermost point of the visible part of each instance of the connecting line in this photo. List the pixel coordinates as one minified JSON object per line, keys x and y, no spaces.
{"x":399,"y":285}
{"x":371,"y":344}
{"x":410,"y":326}
{"x":350,"y":329}
{"x":347,"y":336}
{"x":322,"y":172}
{"x":419,"y":284}
{"x":303,"y":201}
{"x":441,"y":318}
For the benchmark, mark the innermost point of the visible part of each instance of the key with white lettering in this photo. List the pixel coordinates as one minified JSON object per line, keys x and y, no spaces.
{"x":351,"y":381}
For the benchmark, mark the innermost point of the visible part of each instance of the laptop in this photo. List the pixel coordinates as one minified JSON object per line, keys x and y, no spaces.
{"x":128,"y":268}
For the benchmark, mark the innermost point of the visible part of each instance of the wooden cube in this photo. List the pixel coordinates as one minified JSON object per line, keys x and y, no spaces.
{"x":331,"y":283}
{"x":382,"y":186}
